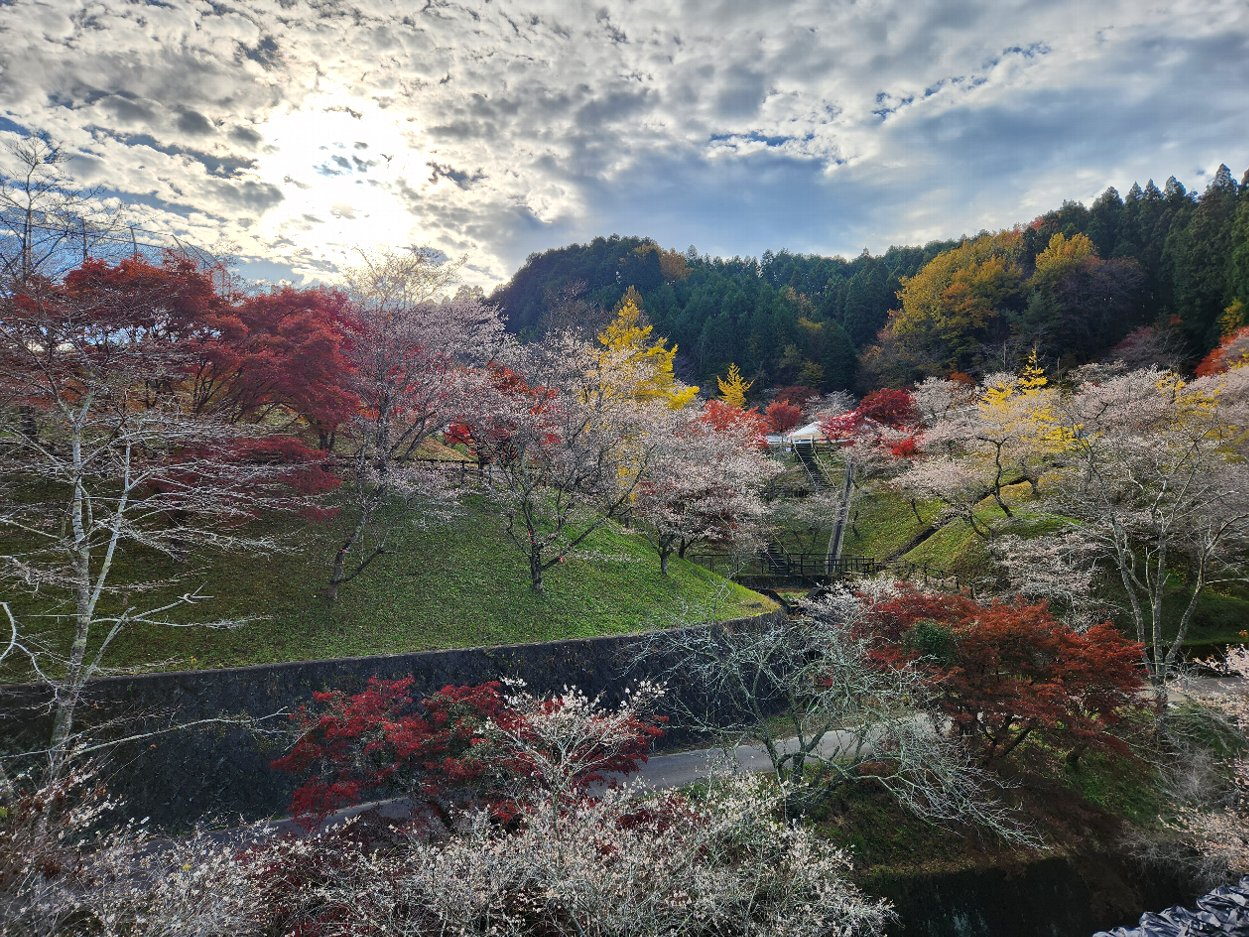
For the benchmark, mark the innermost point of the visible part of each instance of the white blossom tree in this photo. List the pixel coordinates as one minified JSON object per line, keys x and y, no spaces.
{"x":703,"y":484}
{"x":624,"y":865}
{"x":417,"y":362}
{"x":47,"y":224}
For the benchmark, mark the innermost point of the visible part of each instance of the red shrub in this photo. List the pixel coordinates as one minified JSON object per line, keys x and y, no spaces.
{"x":444,"y":750}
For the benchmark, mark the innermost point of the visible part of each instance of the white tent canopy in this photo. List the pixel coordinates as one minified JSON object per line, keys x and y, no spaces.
{"x":811,"y":433}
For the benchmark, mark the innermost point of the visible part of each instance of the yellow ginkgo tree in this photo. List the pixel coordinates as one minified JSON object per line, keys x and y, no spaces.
{"x":632,"y":363}
{"x":733,"y":387}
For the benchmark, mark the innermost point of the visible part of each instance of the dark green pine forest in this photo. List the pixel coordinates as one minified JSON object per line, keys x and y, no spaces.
{"x":1154,"y":276}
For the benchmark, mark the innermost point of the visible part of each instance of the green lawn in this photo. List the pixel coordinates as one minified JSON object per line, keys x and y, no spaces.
{"x":458,"y":585}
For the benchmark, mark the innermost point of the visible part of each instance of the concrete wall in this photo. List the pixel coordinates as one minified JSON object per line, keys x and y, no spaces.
{"x":223,"y":770}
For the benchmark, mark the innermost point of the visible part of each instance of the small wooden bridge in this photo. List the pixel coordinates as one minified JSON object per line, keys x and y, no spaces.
{"x":773,"y":569}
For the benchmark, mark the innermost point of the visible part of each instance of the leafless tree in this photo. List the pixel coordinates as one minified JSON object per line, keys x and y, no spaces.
{"x":827,"y":714}
{"x":117,"y":467}
{"x":46,"y":222}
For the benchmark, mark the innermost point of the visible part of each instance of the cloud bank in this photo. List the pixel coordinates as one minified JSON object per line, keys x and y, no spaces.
{"x":296,"y":131}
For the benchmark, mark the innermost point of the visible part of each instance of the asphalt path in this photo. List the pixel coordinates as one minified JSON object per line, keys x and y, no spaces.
{"x":660,"y":772}
{"x":679,"y":769}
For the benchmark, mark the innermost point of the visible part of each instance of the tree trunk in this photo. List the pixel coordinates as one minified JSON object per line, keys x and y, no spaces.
{"x":535,"y":568}
{"x":838,"y":536}
{"x":338,"y":573}
{"x":663,"y":561}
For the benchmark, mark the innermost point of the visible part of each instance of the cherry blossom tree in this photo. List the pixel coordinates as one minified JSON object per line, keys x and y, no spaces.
{"x":723,"y":861}
{"x":563,"y":455}
{"x":47,"y":224}
{"x":1156,"y":486}
{"x":977,"y":442}
{"x":416,"y":362}
{"x":703,"y":484}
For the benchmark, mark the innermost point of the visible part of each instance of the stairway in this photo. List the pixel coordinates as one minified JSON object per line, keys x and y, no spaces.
{"x":806,"y":456}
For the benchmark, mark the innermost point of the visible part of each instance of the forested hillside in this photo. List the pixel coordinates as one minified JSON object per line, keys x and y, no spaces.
{"x":1156,"y":276}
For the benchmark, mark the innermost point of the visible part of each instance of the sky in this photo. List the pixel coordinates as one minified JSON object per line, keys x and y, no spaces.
{"x":294,"y":133}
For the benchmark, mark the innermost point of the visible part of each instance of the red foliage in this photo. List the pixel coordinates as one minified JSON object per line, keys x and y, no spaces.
{"x":866,"y":425}
{"x":723,"y":417}
{"x":1234,"y":346}
{"x":905,"y":448}
{"x":295,"y":356}
{"x":353,"y":746}
{"x":1007,"y":670}
{"x":889,"y":407}
{"x":281,"y":353}
{"x":782,"y":416}
{"x":176,"y":299}
{"x":843,"y":427}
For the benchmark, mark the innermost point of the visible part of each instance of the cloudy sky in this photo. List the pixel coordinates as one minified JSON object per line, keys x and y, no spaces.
{"x":297,"y":130}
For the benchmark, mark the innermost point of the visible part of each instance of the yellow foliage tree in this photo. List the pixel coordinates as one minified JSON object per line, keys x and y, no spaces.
{"x":633,"y":364}
{"x":733,"y":388}
{"x":1062,"y":253}
{"x":955,"y":298}
{"x":1022,"y":408}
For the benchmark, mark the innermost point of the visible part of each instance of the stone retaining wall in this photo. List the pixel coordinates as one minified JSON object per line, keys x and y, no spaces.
{"x":223,"y":770}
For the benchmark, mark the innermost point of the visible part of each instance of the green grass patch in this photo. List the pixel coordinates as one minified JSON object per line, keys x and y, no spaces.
{"x":1131,"y":791}
{"x":461,"y":584}
{"x":884,"y":523}
{"x":956,"y":548}
{"x":1220,"y":617}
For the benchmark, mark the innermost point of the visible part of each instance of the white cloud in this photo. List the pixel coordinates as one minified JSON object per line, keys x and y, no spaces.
{"x":297,"y":131}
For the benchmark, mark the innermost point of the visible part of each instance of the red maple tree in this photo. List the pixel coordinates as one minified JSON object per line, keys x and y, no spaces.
{"x":782,"y":416}
{"x":442,"y":750}
{"x":1008,"y":670}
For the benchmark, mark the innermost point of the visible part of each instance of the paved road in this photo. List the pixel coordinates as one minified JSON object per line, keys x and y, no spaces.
{"x":661,"y":772}
{"x":677,"y":769}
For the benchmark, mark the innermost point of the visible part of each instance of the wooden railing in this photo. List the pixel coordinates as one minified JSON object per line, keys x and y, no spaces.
{"x":815,"y":568}
{"x":462,"y":470}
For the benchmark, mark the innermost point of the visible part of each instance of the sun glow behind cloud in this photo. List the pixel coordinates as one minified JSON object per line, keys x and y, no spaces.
{"x":342,"y":162}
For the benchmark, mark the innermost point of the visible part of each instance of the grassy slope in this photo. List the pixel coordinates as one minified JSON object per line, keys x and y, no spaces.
{"x":1071,"y":810}
{"x":886,"y":523}
{"x":459,"y":585}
